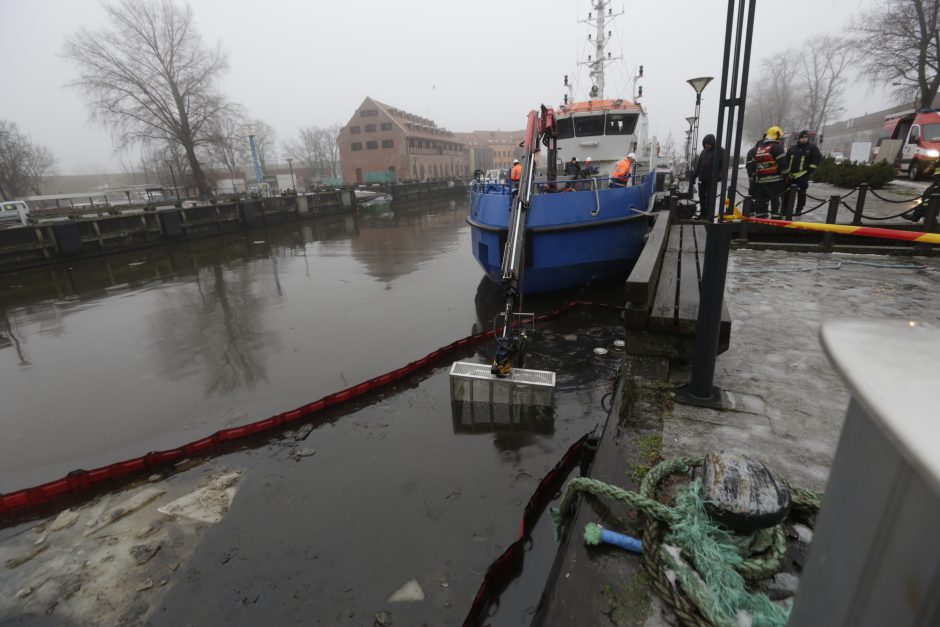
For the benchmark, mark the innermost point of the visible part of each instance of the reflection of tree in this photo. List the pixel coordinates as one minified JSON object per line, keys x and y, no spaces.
{"x":215,"y":328}
{"x":9,"y":338}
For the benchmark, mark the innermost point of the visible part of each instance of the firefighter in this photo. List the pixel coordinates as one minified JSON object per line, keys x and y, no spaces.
{"x":768,"y":171}
{"x":622,"y":172}
{"x":802,"y":159}
{"x":918,"y":212}
{"x":515,"y":174}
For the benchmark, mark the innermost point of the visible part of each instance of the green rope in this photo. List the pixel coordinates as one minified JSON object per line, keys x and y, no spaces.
{"x":712,"y":590}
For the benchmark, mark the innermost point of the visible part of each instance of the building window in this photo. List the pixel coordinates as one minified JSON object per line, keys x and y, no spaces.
{"x":370,"y":128}
{"x":357,"y":145}
{"x":353,"y":130}
{"x":367,"y":113}
{"x":372,"y":145}
{"x":386,"y":126}
{"x":387,"y":143}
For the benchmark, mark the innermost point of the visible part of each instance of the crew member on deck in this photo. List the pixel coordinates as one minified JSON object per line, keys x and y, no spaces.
{"x":516,"y":174}
{"x":572,"y":167}
{"x":622,"y":172}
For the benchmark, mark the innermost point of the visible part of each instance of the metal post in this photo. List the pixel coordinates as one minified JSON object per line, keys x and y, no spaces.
{"x":673,"y":204}
{"x":930,"y":215}
{"x":789,"y":201}
{"x":831,"y":214}
{"x":860,"y":204}
{"x":746,"y":212}
{"x":700,"y":391}
{"x":290,"y":164}
{"x":179,"y":202}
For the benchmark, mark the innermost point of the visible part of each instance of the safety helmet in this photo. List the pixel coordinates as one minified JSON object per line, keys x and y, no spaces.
{"x":632,"y":155}
{"x":774,"y":133}
{"x":515,"y":161}
{"x":587,"y":160}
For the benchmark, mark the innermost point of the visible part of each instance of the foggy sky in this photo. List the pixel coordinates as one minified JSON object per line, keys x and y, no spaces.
{"x":467,"y":65}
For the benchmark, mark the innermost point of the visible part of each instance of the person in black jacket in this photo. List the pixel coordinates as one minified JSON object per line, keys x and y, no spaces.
{"x":572,"y":168}
{"x":708,"y":179}
{"x":803,"y":157}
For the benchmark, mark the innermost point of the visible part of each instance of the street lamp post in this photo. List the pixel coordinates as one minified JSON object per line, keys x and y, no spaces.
{"x":179,"y":202}
{"x":290,"y":164}
{"x":691,"y":148}
{"x":698,"y":84}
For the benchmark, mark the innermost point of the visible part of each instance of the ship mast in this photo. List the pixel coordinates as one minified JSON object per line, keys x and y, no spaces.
{"x":600,"y":18}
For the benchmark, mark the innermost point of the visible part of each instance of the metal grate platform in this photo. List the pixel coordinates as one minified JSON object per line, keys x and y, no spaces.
{"x":473,"y":382}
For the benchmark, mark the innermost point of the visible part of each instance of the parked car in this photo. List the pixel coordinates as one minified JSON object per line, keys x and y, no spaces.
{"x":838,"y":156}
{"x":13,"y":213}
{"x":920,"y":132}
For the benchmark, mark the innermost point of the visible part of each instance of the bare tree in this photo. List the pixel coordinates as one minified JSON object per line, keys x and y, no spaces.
{"x":150,"y":77}
{"x":331,"y":147}
{"x":23,"y":164}
{"x":823,"y":64}
{"x":228,"y":147}
{"x":898,"y":44}
{"x":306,"y":149}
{"x":317,"y":149}
{"x":772,"y":99}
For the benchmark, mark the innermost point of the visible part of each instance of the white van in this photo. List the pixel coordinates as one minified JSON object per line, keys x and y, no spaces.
{"x":13,"y":213}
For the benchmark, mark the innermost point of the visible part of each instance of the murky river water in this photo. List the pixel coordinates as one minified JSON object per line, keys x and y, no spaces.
{"x":110,"y":358}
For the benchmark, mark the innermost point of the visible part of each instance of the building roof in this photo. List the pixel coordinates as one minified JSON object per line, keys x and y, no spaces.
{"x":412,"y":124}
{"x":482,"y":139}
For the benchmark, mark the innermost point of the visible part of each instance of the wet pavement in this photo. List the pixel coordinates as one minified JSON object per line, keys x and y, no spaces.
{"x":114,"y":357}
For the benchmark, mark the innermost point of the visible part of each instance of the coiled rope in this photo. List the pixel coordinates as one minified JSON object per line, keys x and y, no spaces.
{"x":710,"y":566}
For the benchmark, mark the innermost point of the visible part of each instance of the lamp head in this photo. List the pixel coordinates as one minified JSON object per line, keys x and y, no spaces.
{"x":699,"y":84}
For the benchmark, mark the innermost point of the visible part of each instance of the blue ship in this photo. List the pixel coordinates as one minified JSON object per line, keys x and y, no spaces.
{"x":573,"y":238}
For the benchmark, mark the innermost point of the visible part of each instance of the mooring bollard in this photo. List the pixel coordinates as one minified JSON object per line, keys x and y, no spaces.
{"x":700,"y":391}
{"x":673,"y":204}
{"x":746,"y":208}
{"x":860,"y":204}
{"x":930,"y":214}
{"x":831,"y":215}
{"x":789,"y":200}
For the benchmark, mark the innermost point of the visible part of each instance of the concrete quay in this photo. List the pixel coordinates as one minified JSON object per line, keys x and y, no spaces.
{"x":85,"y":232}
{"x":788,"y":407}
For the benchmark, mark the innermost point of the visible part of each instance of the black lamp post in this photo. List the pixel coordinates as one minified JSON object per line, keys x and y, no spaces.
{"x":176,"y":189}
{"x":690,"y":147}
{"x":698,"y":84}
{"x":290,"y":164}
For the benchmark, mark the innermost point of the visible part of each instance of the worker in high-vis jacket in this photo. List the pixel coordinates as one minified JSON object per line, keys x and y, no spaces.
{"x":803,"y":158}
{"x":515,"y":175}
{"x":768,"y":171}
{"x":623,"y":171}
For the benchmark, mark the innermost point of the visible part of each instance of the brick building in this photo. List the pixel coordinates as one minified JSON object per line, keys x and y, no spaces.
{"x":486,"y":150}
{"x":382,"y":143}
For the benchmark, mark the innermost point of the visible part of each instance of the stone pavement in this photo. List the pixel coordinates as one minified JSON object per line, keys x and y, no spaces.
{"x":788,"y":408}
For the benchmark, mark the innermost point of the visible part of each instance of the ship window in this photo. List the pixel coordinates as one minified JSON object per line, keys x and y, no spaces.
{"x":620,"y":123}
{"x":589,"y":125}
{"x":565,"y":128}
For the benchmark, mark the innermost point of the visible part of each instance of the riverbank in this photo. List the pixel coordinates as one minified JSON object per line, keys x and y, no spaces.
{"x":787,"y":410}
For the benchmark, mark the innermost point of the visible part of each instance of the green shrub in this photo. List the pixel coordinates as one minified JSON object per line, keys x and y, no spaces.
{"x":850,"y":174}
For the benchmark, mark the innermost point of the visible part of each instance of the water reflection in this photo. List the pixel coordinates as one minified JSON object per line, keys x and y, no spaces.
{"x":486,"y":417}
{"x":215,"y":326}
{"x":398,"y":239}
